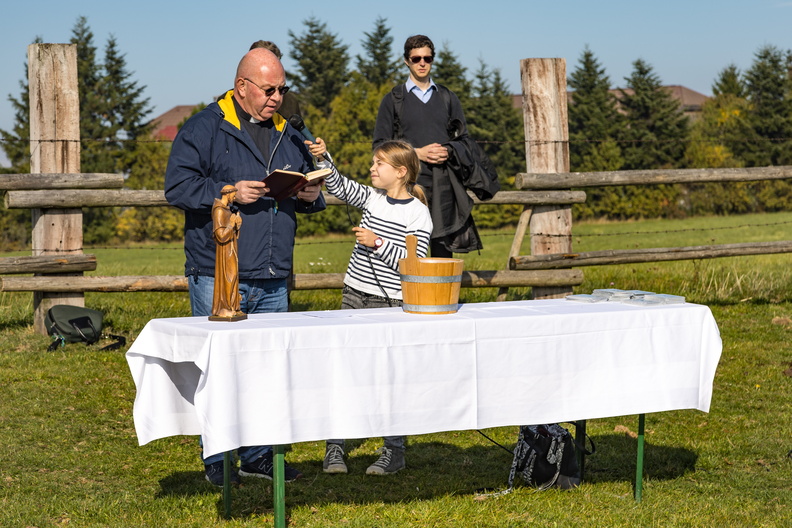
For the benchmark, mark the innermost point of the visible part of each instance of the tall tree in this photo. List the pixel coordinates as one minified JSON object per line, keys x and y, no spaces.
{"x":723,"y":126}
{"x":111,"y":112}
{"x":378,"y":66}
{"x":494,"y":122}
{"x":594,"y":124}
{"x":322,"y":65}
{"x":729,"y":82}
{"x":654,"y":137}
{"x":656,"y":130}
{"x":498,"y":128}
{"x":95,"y":155}
{"x":594,"y":120}
{"x":15,"y":142}
{"x":767,"y":88}
{"x":126,"y":108}
{"x":448,"y":71}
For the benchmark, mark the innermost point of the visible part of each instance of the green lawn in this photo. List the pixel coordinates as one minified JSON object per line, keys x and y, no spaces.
{"x":69,"y":454}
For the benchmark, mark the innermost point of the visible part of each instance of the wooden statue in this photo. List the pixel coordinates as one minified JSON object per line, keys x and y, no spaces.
{"x":225,"y":303}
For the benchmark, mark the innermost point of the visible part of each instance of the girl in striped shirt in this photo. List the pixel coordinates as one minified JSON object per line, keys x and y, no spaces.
{"x":393,"y":207}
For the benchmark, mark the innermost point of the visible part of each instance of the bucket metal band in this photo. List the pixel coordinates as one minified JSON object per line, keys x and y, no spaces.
{"x":434,"y":279}
{"x":430,"y":308}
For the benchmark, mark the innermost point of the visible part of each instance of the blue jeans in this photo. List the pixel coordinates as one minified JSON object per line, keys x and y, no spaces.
{"x":256,"y":296}
{"x":353,"y":299}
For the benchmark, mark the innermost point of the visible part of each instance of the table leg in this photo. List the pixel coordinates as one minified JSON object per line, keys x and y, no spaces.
{"x":278,"y":487}
{"x":580,"y":437}
{"x":640,"y":460}
{"x":227,"y":484}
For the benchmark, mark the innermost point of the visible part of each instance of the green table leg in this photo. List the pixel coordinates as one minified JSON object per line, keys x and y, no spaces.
{"x":227,"y":484}
{"x":279,"y":487}
{"x":639,"y":462}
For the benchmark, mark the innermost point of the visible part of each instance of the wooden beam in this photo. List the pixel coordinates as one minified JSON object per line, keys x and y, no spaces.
{"x":568,"y":180}
{"x":631,"y":256}
{"x":305,"y":281}
{"x":70,"y":198}
{"x":139,"y":198}
{"x":47,"y":264}
{"x":20,"y":182}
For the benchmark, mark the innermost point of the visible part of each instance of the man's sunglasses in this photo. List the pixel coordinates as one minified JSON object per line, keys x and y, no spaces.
{"x":417,"y":58}
{"x":269,"y":92}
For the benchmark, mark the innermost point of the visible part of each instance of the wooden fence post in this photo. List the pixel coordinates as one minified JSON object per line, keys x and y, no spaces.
{"x":547,"y":151}
{"x":54,"y":148}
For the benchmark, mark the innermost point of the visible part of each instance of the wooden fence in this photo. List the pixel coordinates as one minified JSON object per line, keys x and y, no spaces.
{"x":544,"y":191}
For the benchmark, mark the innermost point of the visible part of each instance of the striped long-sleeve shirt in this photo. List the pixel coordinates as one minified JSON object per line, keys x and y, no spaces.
{"x":392,"y":220}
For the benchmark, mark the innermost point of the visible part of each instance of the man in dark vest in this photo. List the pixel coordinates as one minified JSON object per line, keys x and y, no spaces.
{"x":429,"y":116}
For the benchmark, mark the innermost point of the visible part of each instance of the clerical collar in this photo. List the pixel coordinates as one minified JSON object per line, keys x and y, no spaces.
{"x":244,"y":116}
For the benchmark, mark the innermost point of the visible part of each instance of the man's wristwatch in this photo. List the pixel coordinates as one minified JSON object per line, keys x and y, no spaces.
{"x":378,"y":242}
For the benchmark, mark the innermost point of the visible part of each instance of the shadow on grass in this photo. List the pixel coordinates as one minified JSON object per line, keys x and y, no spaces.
{"x":616,"y":457}
{"x":434,"y":470}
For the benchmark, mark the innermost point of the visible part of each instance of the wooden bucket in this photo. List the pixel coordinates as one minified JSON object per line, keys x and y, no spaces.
{"x":429,"y":285}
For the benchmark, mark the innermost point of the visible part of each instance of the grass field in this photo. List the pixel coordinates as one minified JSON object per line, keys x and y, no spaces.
{"x":69,"y":454}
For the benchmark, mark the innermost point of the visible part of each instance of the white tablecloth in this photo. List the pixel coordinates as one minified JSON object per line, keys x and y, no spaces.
{"x":302,"y":376}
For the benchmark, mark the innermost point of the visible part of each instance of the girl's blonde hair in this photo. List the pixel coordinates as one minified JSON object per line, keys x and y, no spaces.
{"x":398,"y":154}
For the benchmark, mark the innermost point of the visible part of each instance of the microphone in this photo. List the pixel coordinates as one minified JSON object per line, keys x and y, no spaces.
{"x":297,"y":122}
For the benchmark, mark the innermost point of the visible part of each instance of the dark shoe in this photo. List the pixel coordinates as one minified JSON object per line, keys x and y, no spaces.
{"x":214,"y":474}
{"x":334,"y":459}
{"x":389,"y":462}
{"x":262,"y":467}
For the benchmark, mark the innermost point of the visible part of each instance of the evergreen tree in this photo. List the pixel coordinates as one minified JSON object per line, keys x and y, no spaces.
{"x":654,"y":137}
{"x":378,"y":66}
{"x":498,"y":128}
{"x":448,"y":71}
{"x":322,"y":66}
{"x":594,"y":120}
{"x":16,"y":142}
{"x":729,"y":82}
{"x":723,"y":126}
{"x":767,"y":88}
{"x":656,"y":130}
{"x":126,"y":111}
{"x":95,"y":155}
{"x":111,"y":112}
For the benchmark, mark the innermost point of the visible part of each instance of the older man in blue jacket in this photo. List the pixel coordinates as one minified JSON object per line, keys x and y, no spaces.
{"x":238,"y":140}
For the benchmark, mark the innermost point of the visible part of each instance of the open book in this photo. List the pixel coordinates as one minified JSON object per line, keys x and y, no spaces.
{"x":285,"y":184}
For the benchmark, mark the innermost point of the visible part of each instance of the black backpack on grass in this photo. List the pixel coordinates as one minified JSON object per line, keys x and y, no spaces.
{"x":545,"y":456}
{"x":75,"y":324}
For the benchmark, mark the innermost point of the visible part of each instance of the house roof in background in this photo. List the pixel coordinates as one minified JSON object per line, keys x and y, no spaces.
{"x":166,"y":125}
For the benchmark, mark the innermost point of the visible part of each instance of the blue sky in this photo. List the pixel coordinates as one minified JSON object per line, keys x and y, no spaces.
{"x":186,"y":52}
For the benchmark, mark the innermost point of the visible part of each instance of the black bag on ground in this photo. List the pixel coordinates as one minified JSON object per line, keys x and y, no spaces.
{"x":75,"y":324}
{"x":545,"y":456}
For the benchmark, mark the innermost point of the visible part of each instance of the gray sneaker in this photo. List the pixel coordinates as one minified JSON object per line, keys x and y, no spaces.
{"x":389,"y":462}
{"x":334,"y":459}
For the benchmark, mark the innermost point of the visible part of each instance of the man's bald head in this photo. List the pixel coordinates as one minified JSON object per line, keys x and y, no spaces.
{"x":256,"y":60}
{"x":259,"y":71}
